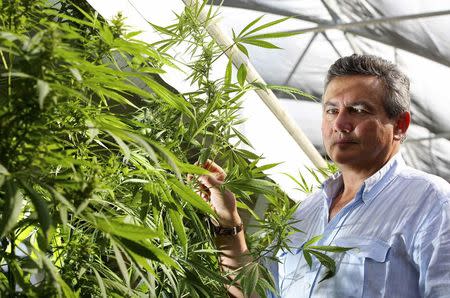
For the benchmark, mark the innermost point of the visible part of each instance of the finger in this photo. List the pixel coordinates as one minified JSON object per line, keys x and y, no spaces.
{"x":215,"y":170}
{"x":206,"y":197}
{"x":209,"y":181}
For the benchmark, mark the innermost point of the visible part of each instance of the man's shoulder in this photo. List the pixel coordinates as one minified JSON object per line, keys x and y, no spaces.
{"x":311,"y":203}
{"x":313,"y":199}
{"x":420,"y":180}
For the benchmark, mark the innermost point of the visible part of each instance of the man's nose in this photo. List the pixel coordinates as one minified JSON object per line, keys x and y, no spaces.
{"x":343,"y":122}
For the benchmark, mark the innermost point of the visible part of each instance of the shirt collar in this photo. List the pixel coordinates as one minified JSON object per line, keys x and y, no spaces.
{"x":332,"y":186}
{"x":371,"y":186}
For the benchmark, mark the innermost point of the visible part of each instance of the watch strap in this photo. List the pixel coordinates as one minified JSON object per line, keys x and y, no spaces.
{"x":230,"y":231}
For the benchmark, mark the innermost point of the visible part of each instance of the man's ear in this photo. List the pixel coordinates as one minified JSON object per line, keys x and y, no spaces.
{"x":401,"y":125}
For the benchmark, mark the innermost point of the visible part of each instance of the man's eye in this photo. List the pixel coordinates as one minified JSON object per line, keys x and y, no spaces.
{"x":358,"y":110}
{"x":331,"y":111}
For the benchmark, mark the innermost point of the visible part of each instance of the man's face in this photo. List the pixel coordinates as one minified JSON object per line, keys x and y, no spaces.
{"x":355,"y":127}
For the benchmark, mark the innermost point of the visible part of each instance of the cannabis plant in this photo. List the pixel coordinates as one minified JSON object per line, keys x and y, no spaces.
{"x":95,"y":151}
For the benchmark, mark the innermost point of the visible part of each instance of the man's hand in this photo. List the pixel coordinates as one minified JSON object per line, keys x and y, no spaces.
{"x":222,"y":200}
{"x":234,"y":251}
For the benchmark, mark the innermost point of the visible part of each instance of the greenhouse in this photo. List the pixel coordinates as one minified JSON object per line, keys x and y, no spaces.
{"x":197,"y":149}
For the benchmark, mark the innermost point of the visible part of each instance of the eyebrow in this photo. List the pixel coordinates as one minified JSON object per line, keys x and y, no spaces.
{"x":362,"y":103}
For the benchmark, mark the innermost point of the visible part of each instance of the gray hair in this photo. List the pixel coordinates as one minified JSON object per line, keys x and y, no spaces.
{"x":397,"y":97}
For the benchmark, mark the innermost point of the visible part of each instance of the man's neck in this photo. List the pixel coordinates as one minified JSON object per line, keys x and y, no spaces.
{"x":353,"y":178}
{"x":355,"y":175}
{"x":349,"y":189}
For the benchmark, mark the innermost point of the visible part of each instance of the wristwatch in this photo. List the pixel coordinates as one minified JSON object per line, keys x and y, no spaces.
{"x":225,"y":231}
{"x":232,"y":231}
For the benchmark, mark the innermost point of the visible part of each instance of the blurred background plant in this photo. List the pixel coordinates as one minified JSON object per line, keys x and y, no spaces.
{"x":95,"y":149}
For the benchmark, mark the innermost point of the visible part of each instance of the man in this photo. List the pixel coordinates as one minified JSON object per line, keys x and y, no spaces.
{"x":396,"y":219}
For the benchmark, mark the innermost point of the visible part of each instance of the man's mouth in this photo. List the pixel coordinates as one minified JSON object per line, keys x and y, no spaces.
{"x":345,"y":141}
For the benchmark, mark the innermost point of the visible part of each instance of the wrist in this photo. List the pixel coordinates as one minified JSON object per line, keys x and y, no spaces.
{"x":228,"y":221}
{"x":229,"y":227}
{"x":228,"y":231}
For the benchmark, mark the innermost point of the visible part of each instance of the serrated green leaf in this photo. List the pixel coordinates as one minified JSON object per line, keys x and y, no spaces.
{"x":177,"y":222}
{"x":327,"y":261}
{"x":214,"y":275}
{"x":124,"y":148}
{"x":304,"y":186}
{"x":330,"y":248}
{"x":125,"y":230}
{"x":162,"y":29}
{"x":132,"y":34}
{"x":244,"y":206}
{"x":266,"y":282}
{"x":191,"y":169}
{"x":228,"y":72}
{"x":307,"y":257}
{"x":170,"y":98}
{"x":17,"y":271}
{"x":268,"y":166}
{"x":248,"y":154}
{"x":189,"y":196}
{"x":259,"y":85}
{"x":169,"y":157}
{"x":272,"y":35}
{"x":329,"y":274}
{"x":135,"y":180}
{"x":242,"y":48}
{"x":250,"y":278}
{"x":140,"y":141}
{"x":260,"y":43}
{"x":242,"y":137}
{"x":100,"y":283}
{"x":290,"y":90}
{"x":249,"y":25}
{"x":263,"y":287}
{"x":152,"y":70}
{"x":251,"y":185}
{"x":242,"y":74}
{"x":267,"y":25}
{"x":12,"y":207}
{"x":312,"y":240}
{"x":149,"y":251}
{"x":121,"y":263}
{"x":324,"y":259}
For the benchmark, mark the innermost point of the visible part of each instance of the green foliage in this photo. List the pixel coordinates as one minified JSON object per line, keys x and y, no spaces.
{"x":248,"y":35}
{"x":317,"y":251}
{"x":95,"y":153}
{"x":319,"y":175}
{"x":94,"y":156}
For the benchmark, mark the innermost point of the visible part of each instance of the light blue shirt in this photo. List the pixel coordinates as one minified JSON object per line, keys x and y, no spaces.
{"x":399,"y":226}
